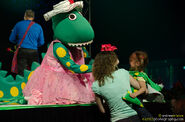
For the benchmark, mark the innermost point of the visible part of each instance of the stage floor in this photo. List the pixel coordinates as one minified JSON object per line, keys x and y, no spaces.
{"x":52,"y":113}
{"x":68,"y":113}
{"x":16,"y":107}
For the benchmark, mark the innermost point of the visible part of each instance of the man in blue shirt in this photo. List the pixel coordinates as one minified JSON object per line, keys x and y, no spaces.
{"x":34,"y":38}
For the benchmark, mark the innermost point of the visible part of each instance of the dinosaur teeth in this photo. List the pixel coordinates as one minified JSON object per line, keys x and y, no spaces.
{"x":80,"y":44}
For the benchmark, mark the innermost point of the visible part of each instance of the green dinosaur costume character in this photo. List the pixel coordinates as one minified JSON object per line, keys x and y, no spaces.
{"x":72,"y":29}
{"x":63,"y":77}
{"x":11,"y":89}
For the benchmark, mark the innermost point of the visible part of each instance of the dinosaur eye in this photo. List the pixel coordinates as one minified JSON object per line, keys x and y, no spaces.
{"x":72,"y":16}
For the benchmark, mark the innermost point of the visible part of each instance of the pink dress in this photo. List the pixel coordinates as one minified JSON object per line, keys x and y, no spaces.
{"x":52,"y":83}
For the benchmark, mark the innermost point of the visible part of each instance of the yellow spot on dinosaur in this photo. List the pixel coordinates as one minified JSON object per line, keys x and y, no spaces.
{"x":15,"y":104}
{"x":83,"y":68}
{"x":124,"y":98}
{"x":23,"y":84}
{"x":71,"y":71}
{"x":68,"y":64}
{"x":14,"y":91}
{"x":11,"y":103}
{"x":135,"y":90}
{"x":30,"y":75}
{"x":6,"y":101}
{"x":85,"y":55}
{"x":1,"y":94}
{"x":61,"y":52}
{"x":141,"y":105}
{"x":137,"y":73}
{"x":135,"y":77}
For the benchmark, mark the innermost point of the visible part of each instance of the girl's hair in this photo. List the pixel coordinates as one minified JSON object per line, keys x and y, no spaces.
{"x":141,"y":57}
{"x":104,"y":65}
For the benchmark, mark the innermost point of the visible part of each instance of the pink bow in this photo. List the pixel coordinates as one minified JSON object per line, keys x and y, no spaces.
{"x":108,"y":47}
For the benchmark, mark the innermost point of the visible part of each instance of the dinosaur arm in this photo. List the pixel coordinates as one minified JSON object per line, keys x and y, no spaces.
{"x":62,"y":54}
{"x":86,"y":53}
{"x":87,"y":56}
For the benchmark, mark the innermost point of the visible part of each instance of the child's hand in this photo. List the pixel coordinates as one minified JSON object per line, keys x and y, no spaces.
{"x":146,"y":92}
{"x":161,"y":85}
{"x":133,"y":95}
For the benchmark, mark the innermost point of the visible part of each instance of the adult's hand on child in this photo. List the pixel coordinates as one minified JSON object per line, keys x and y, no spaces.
{"x":133,"y":95}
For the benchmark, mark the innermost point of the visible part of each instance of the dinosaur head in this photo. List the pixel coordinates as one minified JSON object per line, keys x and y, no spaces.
{"x":69,"y":26}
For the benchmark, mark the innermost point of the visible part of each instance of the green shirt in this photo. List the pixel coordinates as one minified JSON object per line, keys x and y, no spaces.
{"x":137,"y":74}
{"x":112,"y":92}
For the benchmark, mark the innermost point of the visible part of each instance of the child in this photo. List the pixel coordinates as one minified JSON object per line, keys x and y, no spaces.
{"x":138,"y":61}
{"x":111,"y":84}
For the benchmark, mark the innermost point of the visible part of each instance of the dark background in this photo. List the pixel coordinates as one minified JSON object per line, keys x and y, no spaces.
{"x":154,"y":26}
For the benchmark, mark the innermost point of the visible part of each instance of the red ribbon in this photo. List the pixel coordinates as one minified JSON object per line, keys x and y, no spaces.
{"x":71,"y":1}
{"x":108,"y":47}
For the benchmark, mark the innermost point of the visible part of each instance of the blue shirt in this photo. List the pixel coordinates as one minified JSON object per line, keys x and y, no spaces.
{"x":113,"y":91}
{"x":34,"y":37}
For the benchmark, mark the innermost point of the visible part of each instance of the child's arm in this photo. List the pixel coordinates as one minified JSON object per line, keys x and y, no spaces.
{"x":141,"y":90}
{"x":134,"y":82}
{"x":99,"y":103}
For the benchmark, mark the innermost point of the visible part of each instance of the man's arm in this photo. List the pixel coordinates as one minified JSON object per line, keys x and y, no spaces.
{"x":13,"y":35}
{"x":41,"y":37}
